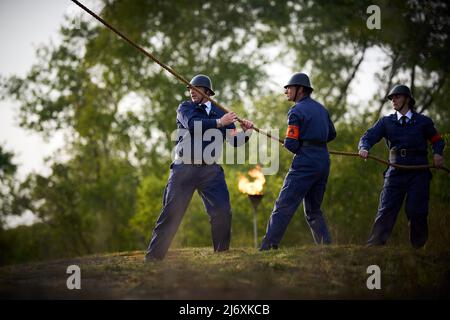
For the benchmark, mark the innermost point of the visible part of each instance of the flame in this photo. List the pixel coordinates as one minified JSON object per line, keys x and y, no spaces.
{"x":256,"y":186}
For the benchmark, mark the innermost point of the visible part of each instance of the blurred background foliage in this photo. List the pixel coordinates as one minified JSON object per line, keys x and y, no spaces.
{"x":117,"y":110}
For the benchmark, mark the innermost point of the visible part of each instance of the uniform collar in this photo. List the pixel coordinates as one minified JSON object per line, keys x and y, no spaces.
{"x":208,"y":106}
{"x":408,"y":115}
{"x":303,"y":98}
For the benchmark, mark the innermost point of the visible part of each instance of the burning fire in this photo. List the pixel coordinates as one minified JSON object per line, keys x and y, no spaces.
{"x":256,"y":186}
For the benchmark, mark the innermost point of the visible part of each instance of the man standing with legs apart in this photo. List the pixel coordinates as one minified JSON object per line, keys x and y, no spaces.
{"x":309,"y":130}
{"x":406,"y":133}
{"x":192,"y":171}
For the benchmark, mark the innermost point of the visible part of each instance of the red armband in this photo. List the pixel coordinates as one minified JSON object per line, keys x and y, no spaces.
{"x":435,"y":138}
{"x":293,"y":132}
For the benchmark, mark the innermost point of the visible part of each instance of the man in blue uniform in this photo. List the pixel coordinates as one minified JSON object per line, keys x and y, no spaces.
{"x":309,"y":130}
{"x":406,"y":133}
{"x":193,"y":169}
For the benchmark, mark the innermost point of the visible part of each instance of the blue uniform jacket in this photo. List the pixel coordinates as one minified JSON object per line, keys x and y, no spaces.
{"x":309,"y":121}
{"x":189,"y":113}
{"x":413,"y":136}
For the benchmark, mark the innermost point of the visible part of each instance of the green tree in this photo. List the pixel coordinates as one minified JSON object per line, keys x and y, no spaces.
{"x":7,"y":172}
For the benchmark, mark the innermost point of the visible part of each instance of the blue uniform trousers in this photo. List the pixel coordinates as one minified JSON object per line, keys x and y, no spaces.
{"x":415,"y":185}
{"x":306,"y":181}
{"x":184,"y":179}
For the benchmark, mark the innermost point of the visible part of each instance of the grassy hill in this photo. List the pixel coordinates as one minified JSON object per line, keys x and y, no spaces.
{"x":307,"y":272}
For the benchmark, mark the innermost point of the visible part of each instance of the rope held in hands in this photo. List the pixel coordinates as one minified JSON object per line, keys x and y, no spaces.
{"x":395,"y":165}
{"x":183,"y":80}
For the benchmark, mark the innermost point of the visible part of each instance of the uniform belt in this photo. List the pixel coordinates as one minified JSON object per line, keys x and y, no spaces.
{"x":202,"y":164}
{"x":179,"y":160}
{"x":408,"y":152}
{"x":307,"y":143}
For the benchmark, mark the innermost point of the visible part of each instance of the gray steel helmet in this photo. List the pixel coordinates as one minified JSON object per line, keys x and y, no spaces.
{"x":299,"y":79}
{"x":201,"y":80}
{"x":401,"y":90}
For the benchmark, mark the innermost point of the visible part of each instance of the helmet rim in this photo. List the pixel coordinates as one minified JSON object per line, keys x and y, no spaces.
{"x":201,"y":80}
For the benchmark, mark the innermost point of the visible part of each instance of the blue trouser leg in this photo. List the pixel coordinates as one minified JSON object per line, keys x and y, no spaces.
{"x":295,"y":186}
{"x":417,"y":208}
{"x":177,"y":195}
{"x":391,"y":200}
{"x":214,"y":193}
{"x":313,"y":213}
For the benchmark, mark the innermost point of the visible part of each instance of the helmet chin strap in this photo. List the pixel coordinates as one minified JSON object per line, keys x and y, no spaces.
{"x":296,"y":93}
{"x":203,"y":100}
{"x":403,"y":105}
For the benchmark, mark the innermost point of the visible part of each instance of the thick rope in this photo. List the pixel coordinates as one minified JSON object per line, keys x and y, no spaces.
{"x":395,"y":165}
{"x":182,"y":79}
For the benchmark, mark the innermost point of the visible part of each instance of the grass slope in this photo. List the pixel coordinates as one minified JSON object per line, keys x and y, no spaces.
{"x":307,"y":272}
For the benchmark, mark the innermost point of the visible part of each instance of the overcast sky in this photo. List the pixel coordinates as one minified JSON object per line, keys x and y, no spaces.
{"x":24,"y":25}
